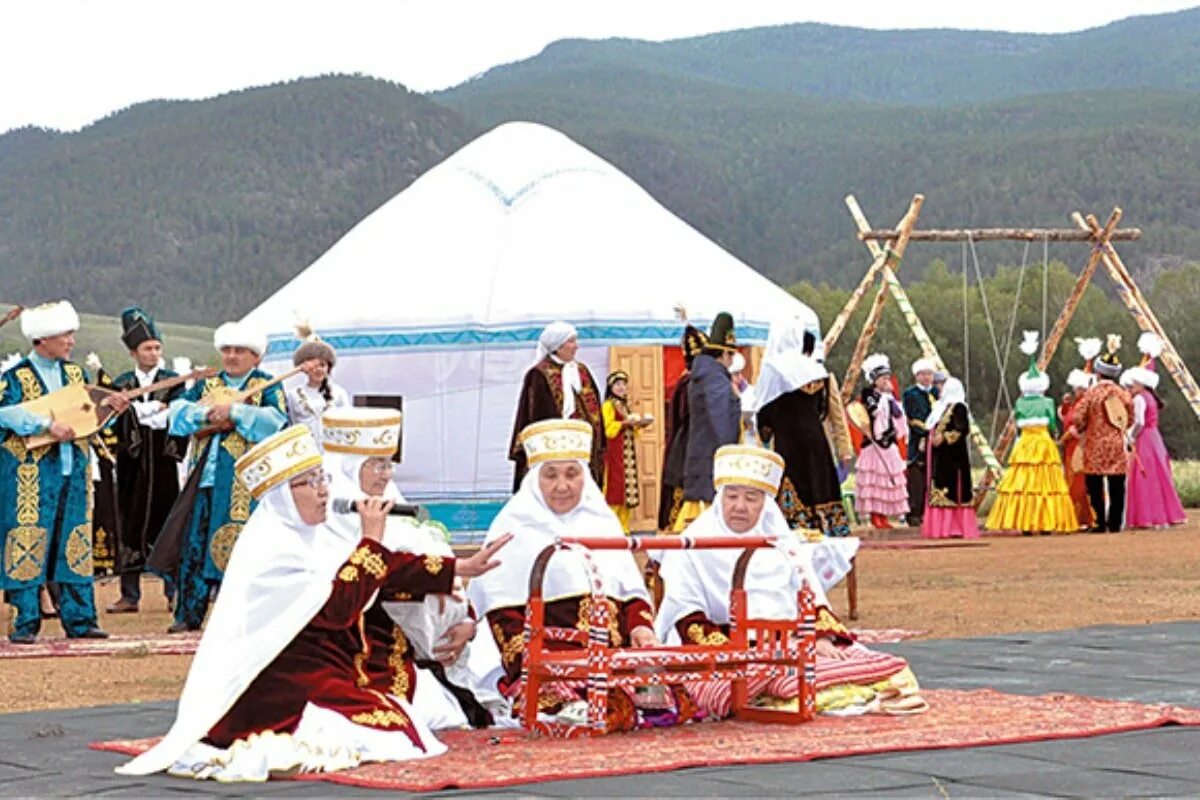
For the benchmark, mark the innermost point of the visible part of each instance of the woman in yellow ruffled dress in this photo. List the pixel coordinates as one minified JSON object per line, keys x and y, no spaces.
{"x":1033,"y":494}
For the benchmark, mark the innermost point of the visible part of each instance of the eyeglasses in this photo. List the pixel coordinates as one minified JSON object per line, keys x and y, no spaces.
{"x":379,"y":467}
{"x":315,"y":481}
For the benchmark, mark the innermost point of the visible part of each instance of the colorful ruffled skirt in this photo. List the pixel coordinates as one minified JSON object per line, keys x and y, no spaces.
{"x":1033,"y":495}
{"x":880,"y":483}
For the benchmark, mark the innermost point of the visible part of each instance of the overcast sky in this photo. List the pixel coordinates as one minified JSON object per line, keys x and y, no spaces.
{"x":66,"y":63}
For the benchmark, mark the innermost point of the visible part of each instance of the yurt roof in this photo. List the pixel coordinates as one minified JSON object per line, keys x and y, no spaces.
{"x":520,"y":227}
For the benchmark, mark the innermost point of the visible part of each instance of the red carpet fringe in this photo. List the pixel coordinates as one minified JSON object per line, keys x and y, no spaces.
{"x":491,"y":759}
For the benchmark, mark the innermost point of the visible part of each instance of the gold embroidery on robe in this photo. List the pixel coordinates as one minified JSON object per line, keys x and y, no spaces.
{"x":28,"y":492}
{"x":31,"y":387}
{"x":510,"y":648}
{"x":828,"y":623}
{"x":348,"y":574}
{"x":381,"y":718}
{"x":433,"y":564}
{"x":78,"y":550}
{"x":25,"y":552}
{"x":585,"y":619}
{"x":396,"y":662}
{"x":221,"y":546}
{"x":372,"y":563}
{"x":696,"y":634}
{"x":360,"y":658}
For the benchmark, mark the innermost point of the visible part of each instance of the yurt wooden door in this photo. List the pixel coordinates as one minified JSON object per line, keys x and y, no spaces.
{"x":645,"y":368}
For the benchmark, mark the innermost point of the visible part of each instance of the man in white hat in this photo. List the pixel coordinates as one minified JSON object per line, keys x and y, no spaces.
{"x":918,"y":402}
{"x":207,"y":518}
{"x":45,"y":531}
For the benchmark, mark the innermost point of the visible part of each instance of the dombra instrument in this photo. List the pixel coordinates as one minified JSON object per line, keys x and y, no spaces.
{"x":84,"y":407}
{"x":227,"y":396}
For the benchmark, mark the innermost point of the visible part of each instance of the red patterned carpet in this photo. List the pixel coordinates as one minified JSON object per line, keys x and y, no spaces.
{"x":116,"y":645}
{"x":489,"y":759}
{"x":184,"y":644}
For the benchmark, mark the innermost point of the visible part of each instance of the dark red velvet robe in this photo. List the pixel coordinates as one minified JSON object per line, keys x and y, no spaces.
{"x":325,"y":663}
{"x":696,"y":628}
{"x":542,"y":398}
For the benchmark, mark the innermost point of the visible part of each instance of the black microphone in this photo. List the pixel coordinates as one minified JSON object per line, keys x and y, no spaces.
{"x":343,"y":506}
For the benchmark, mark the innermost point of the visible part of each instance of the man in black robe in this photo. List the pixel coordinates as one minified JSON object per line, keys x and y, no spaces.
{"x":671,"y":498}
{"x":714,"y":412}
{"x":147,"y":459}
{"x":918,"y":403}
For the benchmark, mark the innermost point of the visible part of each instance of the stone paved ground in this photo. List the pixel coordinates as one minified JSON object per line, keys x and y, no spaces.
{"x":44,"y":754}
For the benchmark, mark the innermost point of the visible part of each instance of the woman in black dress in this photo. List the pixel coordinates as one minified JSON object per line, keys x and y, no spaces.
{"x":791,"y":402}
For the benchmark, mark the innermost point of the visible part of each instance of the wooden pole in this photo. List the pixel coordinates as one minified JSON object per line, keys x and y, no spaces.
{"x":881,"y":255}
{"x":1054,"y":337}
{"x":1145,"y":318}
{"x":922,"y":336}
{"x":1003,"y":234}
{"x":893,"y":255}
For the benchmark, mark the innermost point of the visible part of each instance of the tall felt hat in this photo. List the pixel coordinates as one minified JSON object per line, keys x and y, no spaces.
{"x":1032,"y":380}
{"x":556,"y":440}
{"x":362,"y":431}
{"x":721,"y":336}
{"x":1109,"y":364}
{"x":278,"y":459}
{"x":1145,"y":373}
{"x":312,"y":346}
{"x":876,"y":366}
{"x":136,"y":327}
{"x":742,"y":465}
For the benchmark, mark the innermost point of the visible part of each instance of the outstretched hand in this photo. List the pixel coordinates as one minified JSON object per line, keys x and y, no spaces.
{"x":482,"y":561}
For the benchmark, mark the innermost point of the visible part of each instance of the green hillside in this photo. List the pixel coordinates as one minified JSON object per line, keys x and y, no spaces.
{"x":102,"y":335}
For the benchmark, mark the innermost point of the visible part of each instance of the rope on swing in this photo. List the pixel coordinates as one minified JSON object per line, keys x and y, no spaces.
{"x":987,"y":315}
{"x":1045,"y":284}
{"x":1012,"y":328}
{"x":966,"y":379}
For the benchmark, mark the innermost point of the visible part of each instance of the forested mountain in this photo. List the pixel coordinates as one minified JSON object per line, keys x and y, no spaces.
{"x":199,"y":210}
{"x":915,"y":67}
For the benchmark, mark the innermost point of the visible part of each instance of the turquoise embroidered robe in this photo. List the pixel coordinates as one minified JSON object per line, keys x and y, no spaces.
{"x":230,"y":503}
{"x":31,"y":483}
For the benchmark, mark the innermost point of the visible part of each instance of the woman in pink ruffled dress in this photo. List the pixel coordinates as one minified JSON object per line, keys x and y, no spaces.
{"x":1153,"y":501}
{"x":881,"y":488}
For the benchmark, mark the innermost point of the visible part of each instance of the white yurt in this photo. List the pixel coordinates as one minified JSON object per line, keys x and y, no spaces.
{"x":435,"y":302}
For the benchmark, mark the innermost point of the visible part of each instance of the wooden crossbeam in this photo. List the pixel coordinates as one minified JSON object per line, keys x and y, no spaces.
{"x":1003,"y":234}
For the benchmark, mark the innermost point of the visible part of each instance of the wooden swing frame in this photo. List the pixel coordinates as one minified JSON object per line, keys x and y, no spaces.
{"x":886,"y":262}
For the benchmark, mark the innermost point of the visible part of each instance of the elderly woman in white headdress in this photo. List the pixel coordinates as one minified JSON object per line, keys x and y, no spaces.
{"x":697,"y":584}
{"x":418,"y":647}
{"x":274,"y":684}
{"x":558,"y":498}
{"x":558,"y":386}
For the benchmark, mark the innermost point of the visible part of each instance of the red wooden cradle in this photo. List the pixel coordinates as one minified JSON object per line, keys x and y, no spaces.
{"x":756,"y":647}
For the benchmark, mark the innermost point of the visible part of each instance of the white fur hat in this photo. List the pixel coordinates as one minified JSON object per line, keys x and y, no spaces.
{"x":239,"y":334}
{"x":923,"y":365}
{"x":1078,"y":379}
{"x":876,"y":365}
{"x":49,"y":319}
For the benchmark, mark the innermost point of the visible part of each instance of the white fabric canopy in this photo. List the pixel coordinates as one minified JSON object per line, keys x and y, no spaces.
{"x":440,"y":294}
